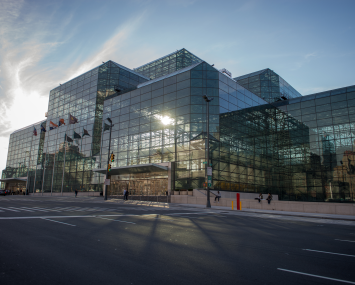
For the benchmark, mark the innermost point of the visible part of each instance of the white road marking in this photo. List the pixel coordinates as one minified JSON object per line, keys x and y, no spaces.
{"x":345,"y":240}
{"x":26,"y":209}
{"x":58,"y":222}
{"x":40,"y":209}
{"x":117,"y":220}
{"x":10,"y":209}
{"x":318,"y":276}
{"x":329,"y":252}
{"x":78,"y":216}
{"x":20,"y":209}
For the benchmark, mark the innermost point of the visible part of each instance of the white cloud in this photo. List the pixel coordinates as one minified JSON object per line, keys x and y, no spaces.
{"x":304,"y":59}
{"x":26,"y":80}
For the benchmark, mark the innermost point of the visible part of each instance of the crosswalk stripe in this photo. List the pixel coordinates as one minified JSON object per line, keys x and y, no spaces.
{"x":40,"y":209}
{"x":9,"y":209}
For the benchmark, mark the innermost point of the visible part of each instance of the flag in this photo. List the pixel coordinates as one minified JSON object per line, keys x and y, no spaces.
{"x":34,"y":131}
{"x":76,"y":135}
{"x":43,"y":130}
{"x":106,"y":127}
{"x":72,"y":119}
{"x":86,"y":133}
{"x":61,"y":122}
{"x":52,"y":125}
{"x":68,"y":139}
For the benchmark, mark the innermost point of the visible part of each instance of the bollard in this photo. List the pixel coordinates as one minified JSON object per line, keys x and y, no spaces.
{"x":238,"y":201}
{"x":240,"y":205}
{"x":232,"y":206}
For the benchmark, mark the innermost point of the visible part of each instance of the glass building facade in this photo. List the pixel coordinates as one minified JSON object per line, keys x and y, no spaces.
{"x":168,"y":64}
{"x":268,"y":85}
{"x":300,"y":149}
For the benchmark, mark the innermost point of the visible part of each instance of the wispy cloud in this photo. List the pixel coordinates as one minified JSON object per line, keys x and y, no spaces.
{"x":303,"y":60}
{"x":109,"y":49}
{"x":26,"y":76}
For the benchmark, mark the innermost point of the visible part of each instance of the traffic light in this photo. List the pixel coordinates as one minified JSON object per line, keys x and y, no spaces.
{"x":109,"y":167}
{"x":112,"y":157}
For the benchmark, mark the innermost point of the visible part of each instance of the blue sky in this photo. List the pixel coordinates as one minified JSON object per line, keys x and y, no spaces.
{"x":311,"y":43}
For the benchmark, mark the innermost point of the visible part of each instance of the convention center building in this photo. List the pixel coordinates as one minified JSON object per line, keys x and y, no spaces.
{"x":264,"y":136}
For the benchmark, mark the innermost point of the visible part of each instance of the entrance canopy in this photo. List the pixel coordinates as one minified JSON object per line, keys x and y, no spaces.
{"x":11,"y":180}
{"x":132,"y":169}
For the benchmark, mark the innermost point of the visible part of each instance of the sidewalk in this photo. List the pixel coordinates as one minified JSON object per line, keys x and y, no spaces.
{"x":273,"y":212}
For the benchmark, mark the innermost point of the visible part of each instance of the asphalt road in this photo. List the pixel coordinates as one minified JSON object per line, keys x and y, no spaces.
{"x":90,"y":241}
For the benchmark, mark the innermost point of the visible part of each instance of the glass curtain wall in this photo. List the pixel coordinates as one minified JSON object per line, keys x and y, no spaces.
{"x":328,"y":167}
{"x":25,"y":156}
{"x":268,"y":85}
{"x":168,"y":64}
{"x":73,"y":150}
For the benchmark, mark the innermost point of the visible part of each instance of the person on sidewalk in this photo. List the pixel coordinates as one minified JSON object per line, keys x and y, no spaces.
{"x":127,"y":195}
{"x":269,"y":198}
{"x":76,"y":192}
{"x":217,"y":197}
{"x":260,"y":197}
{"x":124,"y":194}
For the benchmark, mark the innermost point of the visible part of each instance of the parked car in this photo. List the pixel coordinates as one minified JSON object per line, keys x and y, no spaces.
{"x":2,"y":192}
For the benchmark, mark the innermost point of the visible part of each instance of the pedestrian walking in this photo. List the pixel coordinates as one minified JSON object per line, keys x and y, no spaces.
{"x":269,"y":198}
{"x":127,"y":193}
{"x":260,"y":197}
{"x":76,"y":192}
{"x":124,"y":194}
{"x":218,"y":195}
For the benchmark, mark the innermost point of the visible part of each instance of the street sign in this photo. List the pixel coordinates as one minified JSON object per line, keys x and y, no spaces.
{"x":209,"y":171}
{"x":209,"y":177}
{"x":205,"y":162}
{"x":107,"y":181}
{"x":209,"y":184}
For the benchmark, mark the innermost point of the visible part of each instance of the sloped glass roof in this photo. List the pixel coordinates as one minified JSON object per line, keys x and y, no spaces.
{"x":250,"y":74}
{"x":168,"y":75}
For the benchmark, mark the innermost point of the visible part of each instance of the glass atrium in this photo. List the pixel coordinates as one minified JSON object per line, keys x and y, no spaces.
{"x":268,"y":85}
{"x":264,"y":136}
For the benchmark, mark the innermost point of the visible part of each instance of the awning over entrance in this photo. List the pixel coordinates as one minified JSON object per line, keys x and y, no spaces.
{"x":11,"y":180}
{"x":132,"y":169}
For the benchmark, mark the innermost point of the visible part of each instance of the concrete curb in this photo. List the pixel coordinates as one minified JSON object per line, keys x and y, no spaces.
{"x":272,"y":213}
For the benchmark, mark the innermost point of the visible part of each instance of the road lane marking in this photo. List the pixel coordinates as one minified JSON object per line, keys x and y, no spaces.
{"x":26,"y":209}
{"x":329,"y":252}
{"x":40,"y":209}
{"x":345,"y":240}
{"x":116,"y":220}
{"x":20,"y":209}
{"x":318,"y":276}
{"x":78,"y":216}
{"x":9,"y":209}
{"x":58,"y":222}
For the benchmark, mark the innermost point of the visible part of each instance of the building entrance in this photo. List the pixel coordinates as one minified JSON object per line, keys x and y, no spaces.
{"x":140,"y":184}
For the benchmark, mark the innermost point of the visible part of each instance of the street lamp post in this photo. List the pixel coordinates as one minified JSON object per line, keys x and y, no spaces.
{"x":108,"y":156}
{"x":208,"y":204}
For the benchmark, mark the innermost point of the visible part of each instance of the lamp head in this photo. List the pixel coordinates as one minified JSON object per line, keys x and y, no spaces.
{"x":108,"y":119}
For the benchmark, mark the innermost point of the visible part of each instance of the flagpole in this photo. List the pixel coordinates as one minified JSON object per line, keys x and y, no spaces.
{"x":28,"y":167}
{"x":34,"y":182}
{"x":65,"y":152}
{"x":81,"y":143}
{"x":53,"y":173}
{"x":44,"y":171}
